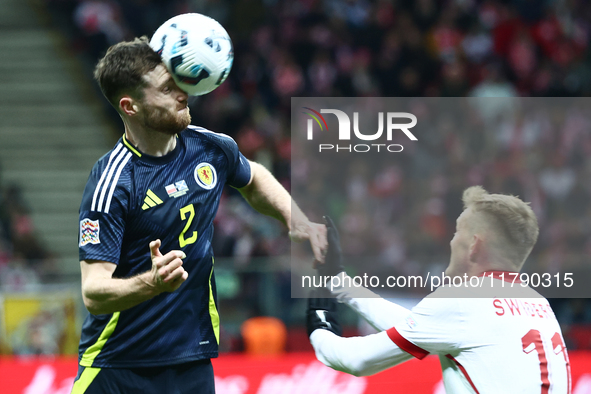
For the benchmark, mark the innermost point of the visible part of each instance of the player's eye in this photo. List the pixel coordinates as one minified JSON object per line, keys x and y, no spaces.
{"x":166,"y":89}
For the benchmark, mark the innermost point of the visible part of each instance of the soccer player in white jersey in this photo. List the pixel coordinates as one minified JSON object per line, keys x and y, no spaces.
{"x":491,"y":340}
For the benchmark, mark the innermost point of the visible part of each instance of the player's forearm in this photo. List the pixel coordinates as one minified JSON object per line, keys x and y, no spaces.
{"x":378,"y":312}
{"x":269,"y":197}
{"x":108,"y":295}
{"x":359,"y":356}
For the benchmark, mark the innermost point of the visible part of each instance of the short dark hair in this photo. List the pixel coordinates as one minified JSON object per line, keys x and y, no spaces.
{"x":120,"y":71}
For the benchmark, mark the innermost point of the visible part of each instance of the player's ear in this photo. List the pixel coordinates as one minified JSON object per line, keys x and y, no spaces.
{"x":128,"y":106}
{"x":475,"y":248}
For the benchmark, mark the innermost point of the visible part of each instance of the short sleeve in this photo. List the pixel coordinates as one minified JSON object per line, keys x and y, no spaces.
{"x":241,"y":175}
{"x":101,"y":217}
{"x":433,"y":326}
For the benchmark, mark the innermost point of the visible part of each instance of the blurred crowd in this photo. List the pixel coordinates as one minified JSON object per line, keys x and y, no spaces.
{"x":402,"y":208}
{"x":393,"y":48}
{"x":360,"y":48}
{"x":397,"y":211}
{"x":24,"y":259}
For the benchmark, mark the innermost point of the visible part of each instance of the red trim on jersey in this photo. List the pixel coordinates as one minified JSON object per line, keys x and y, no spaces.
{"x":406,"y":345}
{"x":505,"y":276}
{"x":464,"y":372}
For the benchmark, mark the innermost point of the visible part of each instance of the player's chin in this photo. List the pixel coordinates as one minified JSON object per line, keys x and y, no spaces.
{"x":185,"y":117}
{"x":177,"y":126}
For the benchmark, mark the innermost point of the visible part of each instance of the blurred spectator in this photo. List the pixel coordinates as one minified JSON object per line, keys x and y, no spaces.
{"x":23,"y":257}
{"x":100,"y":23}
{"x":18,"y":276}
{"x":477,"y":45}
{"x":557,"y":181}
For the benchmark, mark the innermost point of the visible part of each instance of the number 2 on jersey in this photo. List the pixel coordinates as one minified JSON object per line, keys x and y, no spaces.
{"x":190,"y":210}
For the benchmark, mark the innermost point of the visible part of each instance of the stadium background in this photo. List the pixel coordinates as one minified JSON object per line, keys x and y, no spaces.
{"x":54,"y":124}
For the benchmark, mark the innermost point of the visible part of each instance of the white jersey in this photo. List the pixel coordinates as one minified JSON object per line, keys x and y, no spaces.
{"x":509,"y":342}
{"x":489,"y":345}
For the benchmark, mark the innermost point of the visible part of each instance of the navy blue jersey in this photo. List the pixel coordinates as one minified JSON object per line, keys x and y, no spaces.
{"x":132,"y":199}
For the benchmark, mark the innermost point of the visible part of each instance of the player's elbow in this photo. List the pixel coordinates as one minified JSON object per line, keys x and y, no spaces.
{"x":351,"y":369}
{"x":360,"y":373}
{"x":91,"y":305}
{"x":92,"y":302}
{"x":359,"y":369}
{"x":354,"y":368}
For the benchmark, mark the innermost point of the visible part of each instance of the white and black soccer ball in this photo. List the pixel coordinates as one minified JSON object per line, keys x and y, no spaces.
{"x":197,"y":51}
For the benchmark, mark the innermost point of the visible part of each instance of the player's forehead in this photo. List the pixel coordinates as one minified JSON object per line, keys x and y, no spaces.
{"x":158,"y":77}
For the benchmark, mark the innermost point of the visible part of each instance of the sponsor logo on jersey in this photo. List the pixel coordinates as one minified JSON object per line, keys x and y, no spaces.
{"x":89,"y":232}
{"x":205,"y":176}
{"x":151,"y":200}
{"x":177,"y":189}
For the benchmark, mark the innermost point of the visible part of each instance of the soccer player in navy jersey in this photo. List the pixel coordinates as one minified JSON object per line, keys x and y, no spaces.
{"x":146,"y":224}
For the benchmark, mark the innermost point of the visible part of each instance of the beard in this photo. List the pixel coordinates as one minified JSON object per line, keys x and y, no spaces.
{"x":166,"y":121}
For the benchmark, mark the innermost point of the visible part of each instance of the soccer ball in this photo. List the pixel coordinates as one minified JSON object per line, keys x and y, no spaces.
{"x":197,"y":51}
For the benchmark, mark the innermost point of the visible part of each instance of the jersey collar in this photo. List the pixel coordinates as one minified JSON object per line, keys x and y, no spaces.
{"x":506,"y":276}
{"x":155,"y":159}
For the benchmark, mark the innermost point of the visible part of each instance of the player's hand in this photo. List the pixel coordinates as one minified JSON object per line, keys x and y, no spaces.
{"x":322,"y":312}
{"x":167,"y":272}
{"x":333,"y":262}
{"x":315,"y":233}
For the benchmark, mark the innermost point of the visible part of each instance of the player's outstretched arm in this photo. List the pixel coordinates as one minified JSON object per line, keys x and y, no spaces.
{"x":378,"y":312}
{"x":381,"y":314}
{"x":265,"y":194}
{"x":104,"y":294}
{"x":359,"y":356}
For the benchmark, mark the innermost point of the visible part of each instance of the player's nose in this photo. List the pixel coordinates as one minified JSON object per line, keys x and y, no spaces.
{"x":182,"y":96}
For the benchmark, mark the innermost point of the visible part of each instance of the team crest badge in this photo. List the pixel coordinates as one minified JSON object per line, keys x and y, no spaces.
{"x":206,"y":176}
{"x":89,"y":232}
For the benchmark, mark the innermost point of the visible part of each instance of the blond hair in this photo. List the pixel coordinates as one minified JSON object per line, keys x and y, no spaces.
{"x":511,"y":221}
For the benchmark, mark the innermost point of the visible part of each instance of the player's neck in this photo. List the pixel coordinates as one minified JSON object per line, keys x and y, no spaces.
{"x":150,"y":142}
{"x":492,"y":265}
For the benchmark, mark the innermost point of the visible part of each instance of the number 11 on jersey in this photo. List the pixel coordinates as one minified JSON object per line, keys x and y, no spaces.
{"x":190,"y":210}
{"x":533,"y":341}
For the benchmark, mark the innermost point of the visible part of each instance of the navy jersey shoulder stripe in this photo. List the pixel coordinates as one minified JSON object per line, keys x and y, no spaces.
{"x":109,"y":178}
{"x":114,"y":153}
